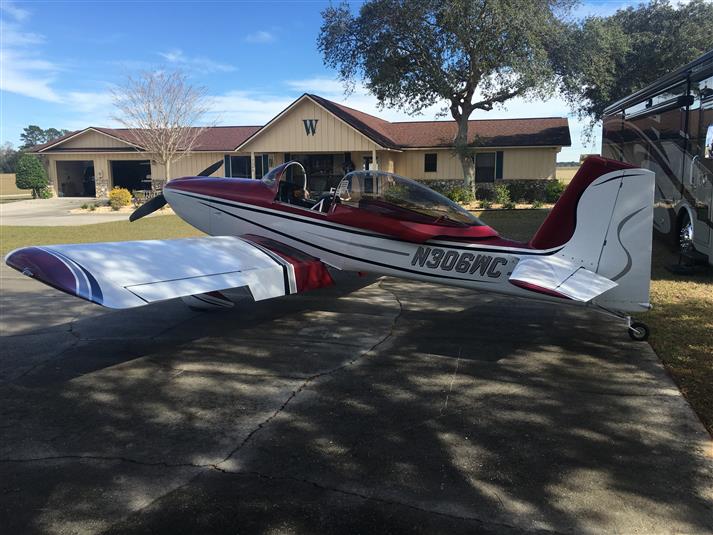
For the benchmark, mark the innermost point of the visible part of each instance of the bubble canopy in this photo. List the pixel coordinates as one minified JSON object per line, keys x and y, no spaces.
{"x":400,"y":197}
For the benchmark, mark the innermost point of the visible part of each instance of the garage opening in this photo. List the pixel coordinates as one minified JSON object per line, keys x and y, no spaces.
{"x":131,"y":174}
{"x":75,"y":178}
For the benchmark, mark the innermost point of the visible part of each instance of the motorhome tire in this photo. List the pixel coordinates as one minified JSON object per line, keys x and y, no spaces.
{"x":685,"y":234}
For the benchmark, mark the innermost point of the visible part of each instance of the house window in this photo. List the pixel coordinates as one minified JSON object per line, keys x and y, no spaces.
{"x":485,"y":167}
{"x":262,"y":165}
{"x":430,"y":163}
{"x":237,"y":166}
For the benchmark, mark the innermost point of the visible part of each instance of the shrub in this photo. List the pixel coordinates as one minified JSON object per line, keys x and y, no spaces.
{"x":437,"y":186}
{"x":484,"y":193}
{"x":84,"y":206}
{"x":509,"y":205}
{"x":30,"y":174}
{"x":119,"y":197}
{"x":502,"y":195}
{"x":553,"y":190}
{"x":486,"y":204}
{"x":45,"y":193}
{"x":92,"y":207}
{"x":519,"y":191}
{"x":460,"y":195}
{"x":537,"y":203}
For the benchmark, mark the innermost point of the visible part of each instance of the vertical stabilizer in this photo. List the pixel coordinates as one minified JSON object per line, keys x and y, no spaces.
{"x":603,"y":223}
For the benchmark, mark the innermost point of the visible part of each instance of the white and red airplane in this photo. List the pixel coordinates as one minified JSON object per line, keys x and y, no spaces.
{"x":593,"y":249}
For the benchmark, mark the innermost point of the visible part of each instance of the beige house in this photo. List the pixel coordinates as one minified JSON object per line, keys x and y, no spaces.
{"x":327,"y":138}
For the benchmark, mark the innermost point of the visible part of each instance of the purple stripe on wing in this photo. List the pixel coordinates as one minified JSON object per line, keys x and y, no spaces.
{"x":49,"y":268}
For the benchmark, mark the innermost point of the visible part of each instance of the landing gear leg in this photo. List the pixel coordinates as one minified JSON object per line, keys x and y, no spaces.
{"x":637,"y":330}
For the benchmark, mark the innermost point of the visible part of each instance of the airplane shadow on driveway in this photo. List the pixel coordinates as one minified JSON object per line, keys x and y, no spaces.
{"x":380,"y":405}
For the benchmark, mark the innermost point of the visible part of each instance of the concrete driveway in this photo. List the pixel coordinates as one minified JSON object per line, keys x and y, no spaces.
{"x":52,"y":213}
{"x":373,"y":406}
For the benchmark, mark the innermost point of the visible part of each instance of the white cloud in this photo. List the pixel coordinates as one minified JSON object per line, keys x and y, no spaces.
{"x":10,"y":8}
{"x":246,"y":107}
{"x":261,"y":36}
{"x":26,"y":75}
{"x":196,"y":63}
{"x":14,"y":36}
{"x":318,"y":84}
{"x":89,"y":102}
{"x":22,"y":69}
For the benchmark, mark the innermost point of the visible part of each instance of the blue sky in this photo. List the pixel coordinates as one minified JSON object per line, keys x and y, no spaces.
{"x":59,"y":61}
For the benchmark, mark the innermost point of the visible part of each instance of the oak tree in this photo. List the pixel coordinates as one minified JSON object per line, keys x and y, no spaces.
{"x":603,"y":59}
{"x":469,"y":54}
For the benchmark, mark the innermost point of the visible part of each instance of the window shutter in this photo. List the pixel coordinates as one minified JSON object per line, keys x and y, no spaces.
{"x":226,"y":165}
{"x":499,"y":155}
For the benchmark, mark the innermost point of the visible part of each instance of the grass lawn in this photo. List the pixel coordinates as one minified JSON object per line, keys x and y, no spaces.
{"x":148,"y":228}
{"x":681,"y":321}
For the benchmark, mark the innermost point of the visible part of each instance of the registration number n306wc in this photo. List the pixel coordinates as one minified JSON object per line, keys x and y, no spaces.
{"x":450,"y":260}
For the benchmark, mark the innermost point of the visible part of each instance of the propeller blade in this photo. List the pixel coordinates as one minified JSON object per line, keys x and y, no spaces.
{"x":212,"y":169}
{"x":159,"y":201}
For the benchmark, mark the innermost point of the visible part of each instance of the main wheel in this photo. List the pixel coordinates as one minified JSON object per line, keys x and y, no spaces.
{"x":639,"y":331}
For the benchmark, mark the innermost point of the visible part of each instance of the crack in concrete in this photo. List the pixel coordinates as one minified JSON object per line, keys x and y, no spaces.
{"x":244,"y":442}
{"x":317,"y":376}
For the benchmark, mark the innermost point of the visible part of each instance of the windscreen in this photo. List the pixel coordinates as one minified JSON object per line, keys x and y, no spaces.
{"x":401,"y":197}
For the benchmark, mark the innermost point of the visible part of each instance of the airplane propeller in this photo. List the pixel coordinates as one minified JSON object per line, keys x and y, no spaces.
{"x":159,"y":201}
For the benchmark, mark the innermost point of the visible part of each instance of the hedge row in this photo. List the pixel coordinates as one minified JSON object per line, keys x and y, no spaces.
{"x":526,"y":191}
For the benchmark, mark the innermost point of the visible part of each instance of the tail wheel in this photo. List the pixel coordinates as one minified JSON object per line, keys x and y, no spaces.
{"x":685,"y":235}
{"x":639,"y":331}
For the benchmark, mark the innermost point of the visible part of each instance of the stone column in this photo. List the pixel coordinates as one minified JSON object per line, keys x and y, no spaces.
{"x":101,"y":184}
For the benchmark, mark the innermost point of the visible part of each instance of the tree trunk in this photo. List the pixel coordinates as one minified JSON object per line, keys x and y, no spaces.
{"x":465,"y":155}
{"x":167,"y":167}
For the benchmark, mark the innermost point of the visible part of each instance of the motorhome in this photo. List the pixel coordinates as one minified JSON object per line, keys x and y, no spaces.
{"x":667,"y":127}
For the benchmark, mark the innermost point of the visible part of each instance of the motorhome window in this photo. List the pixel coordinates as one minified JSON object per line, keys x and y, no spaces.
{"x":636,"y":108}
{"x":395,"y":196}
{"x":669,"y":94}
{"x":705,"y":88}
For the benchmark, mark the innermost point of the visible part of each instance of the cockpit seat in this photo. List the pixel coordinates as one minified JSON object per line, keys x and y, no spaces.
{"x":324,"y":203}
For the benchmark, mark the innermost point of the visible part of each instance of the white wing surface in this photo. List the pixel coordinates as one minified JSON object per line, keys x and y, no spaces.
{"x":130,"y":274}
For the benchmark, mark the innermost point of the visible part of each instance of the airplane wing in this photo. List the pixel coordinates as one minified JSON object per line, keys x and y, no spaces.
{"x":135,"y":273}
{"x":555,"y":275}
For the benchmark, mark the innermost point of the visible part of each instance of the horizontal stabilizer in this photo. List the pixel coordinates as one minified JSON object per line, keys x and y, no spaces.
{"x":555,"y":275}
{"x":130,"y":274}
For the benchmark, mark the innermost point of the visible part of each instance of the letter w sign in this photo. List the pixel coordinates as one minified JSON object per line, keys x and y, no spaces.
{"x":310,"y":126}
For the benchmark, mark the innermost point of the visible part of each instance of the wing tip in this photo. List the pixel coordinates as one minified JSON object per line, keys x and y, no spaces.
{"x":55,"y":270}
